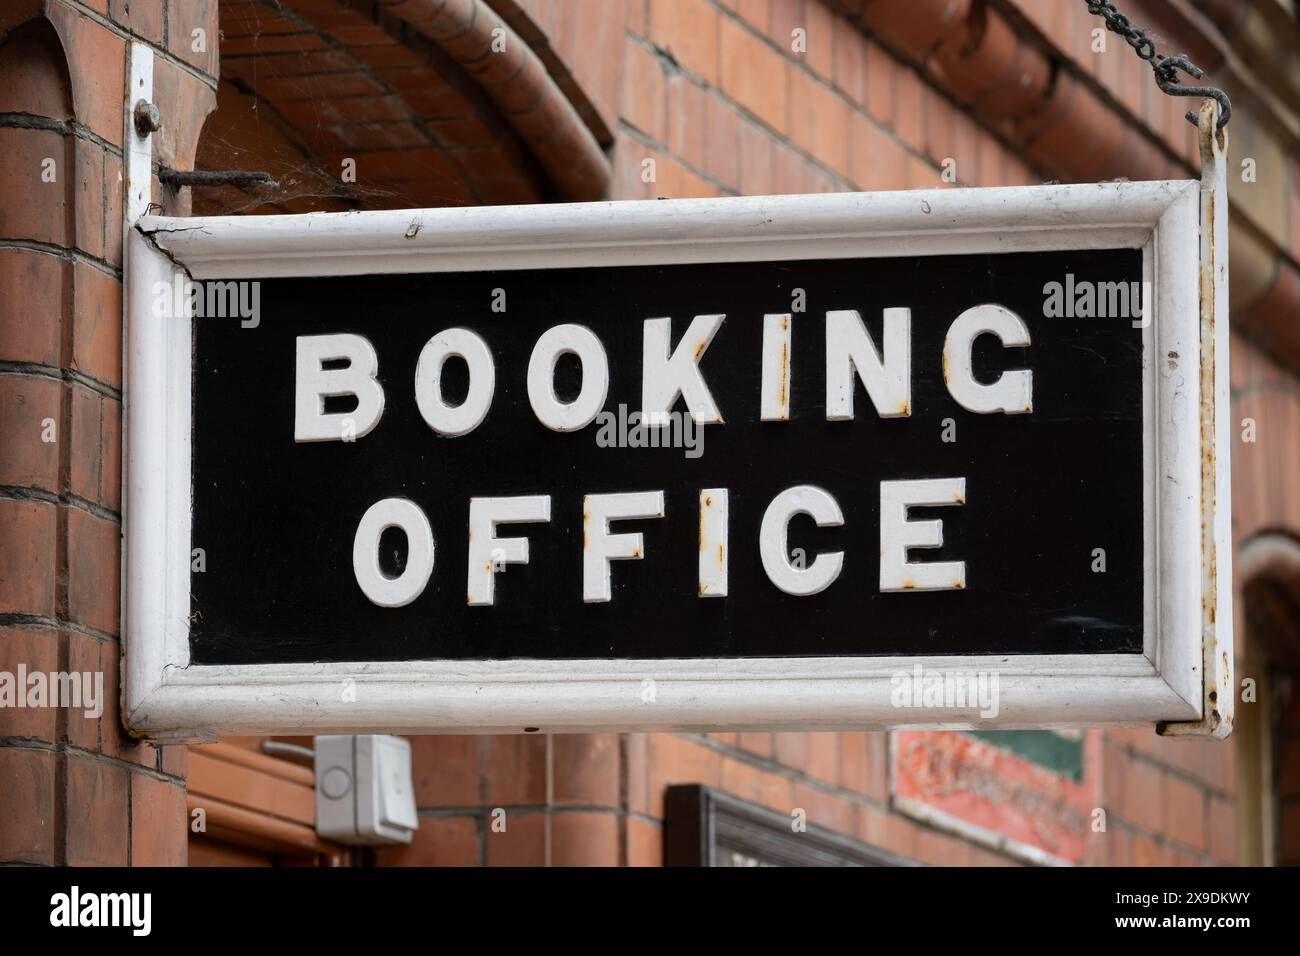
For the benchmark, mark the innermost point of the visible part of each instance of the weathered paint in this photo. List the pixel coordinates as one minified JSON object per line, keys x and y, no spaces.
{"x":1216,"y":573}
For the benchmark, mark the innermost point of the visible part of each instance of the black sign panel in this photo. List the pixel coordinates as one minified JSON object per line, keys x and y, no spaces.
{"x":1045,"y":491}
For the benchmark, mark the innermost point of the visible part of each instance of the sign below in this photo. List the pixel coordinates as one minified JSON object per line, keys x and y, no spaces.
{"x":753,"y":462}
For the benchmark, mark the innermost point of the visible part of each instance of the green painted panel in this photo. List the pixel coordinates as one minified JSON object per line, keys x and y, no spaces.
{"x":1055,"y":752}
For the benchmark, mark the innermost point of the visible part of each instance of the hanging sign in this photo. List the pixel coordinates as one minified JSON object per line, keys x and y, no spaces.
{"x":821,"y":461}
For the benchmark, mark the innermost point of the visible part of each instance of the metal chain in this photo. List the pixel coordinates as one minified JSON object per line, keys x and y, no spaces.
{"x":1165,"y":68}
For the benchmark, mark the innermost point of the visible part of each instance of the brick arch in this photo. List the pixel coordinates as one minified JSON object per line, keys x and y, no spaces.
{"x":411,"y":93}
{"x":1269,"y":412}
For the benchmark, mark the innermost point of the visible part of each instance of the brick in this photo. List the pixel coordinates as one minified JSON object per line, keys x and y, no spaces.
{"x":645,"y":844}
{"x":516,"y":770}
{"x":114,"y":188}
{"x":314,"y":86}
{"x":159,"y":822}
{"x":182,"y":21}
{"x":584,"y":839}
{"x":445,"y":771}
{"x":754,"y":75}
{"x":722,"y":142}
{"x":878,"y":764}
{"x":115,"y":741}
{"x":938,"y":849}
{"x":440,"y":841}
{"x":276,"y":43}
{"x":398,"y":165}
{"x":1223,"y":831}
{"x":29,"y":415}
{"x":41,"y":216}
{"x":94,"y":549}
{"x":140,"y":17}
{"x":887,"y":831}
{"x":36,"y":649}
{"x":826,"y":810}
{"x":821,"y":26}
{"x":823,"y":760}
{"x":876,"y":160}
{"x":110,"y":489}
{"x":1141,"y":801}
{"x":909,"y":107}
{"x":35,"y":79}
{"x":463,"y":132}
{"x":919,"y":174}
{"x":97,"y":325}
{"x":89,"y":201}
{"x":757,"y":785}
{"x":756,"y":150}
{"x":686,"y":129}
{"x":523,"y":843}
{"x":586,"y":769}
{"x":31,"y":306}
{"x":674,"y":181}
{"x":97,"y":823}
{"x":940,"y":127}
{"x":818,"y":121}
{"x":787,"y":170}
{"x":638,"y":16}
{"x":1185,"y":812}
{"x":882,"y":76}
{"x":850,"y":67}
{"x":27,"y":825}
{"x":784,"y":18}
{"x":673,"y":760}
{"x":643,"y":92}
{"x":854,"y":761}
{"x":81,"y":726}
{"x":757,"y":13}
{"x":27,"y":557}
{"x":636,"y":755}
{"x":759,"y":744}
{"x":1148,"y":852}
{"x":99,"y":74}
{"x":86,"y":437}
{"x":688,"y":31}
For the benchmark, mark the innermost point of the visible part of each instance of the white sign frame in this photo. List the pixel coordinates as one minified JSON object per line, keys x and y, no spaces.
{"x":166,"y":696}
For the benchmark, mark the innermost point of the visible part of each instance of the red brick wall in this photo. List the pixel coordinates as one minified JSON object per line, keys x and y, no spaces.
{"x":714,"y":94}
{"x":78,"y":790}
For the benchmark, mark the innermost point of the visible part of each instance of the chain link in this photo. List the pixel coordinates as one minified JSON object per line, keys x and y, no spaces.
{"x":1165,"y":68}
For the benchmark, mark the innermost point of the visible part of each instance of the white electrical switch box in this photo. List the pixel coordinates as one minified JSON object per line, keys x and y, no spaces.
{"x":364,"y":794}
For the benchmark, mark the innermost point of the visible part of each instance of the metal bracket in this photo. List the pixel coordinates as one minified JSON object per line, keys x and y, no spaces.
{"x":1217,"y":678}
{"x":139,"y":135}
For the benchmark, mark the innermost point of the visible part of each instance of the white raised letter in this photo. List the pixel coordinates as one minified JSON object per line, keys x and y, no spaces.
{"x":1013,"y":392}
{"x":666,"y":375}
{"x":888,"y":380}
{"x":897,"y":535}
{"x":409,"y":585}
{"x":599,"y":547}
{"x":774,"y":549}
{"x":713,"y":542}
{"x":550,"y":411}
{"x":486,"y":550}
{"x":775,"y":399}
{"x":313,"y":384}
{"x":461,"y":419}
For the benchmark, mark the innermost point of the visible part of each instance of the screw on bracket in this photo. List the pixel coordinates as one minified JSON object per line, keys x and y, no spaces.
{"x":147,"y":118}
